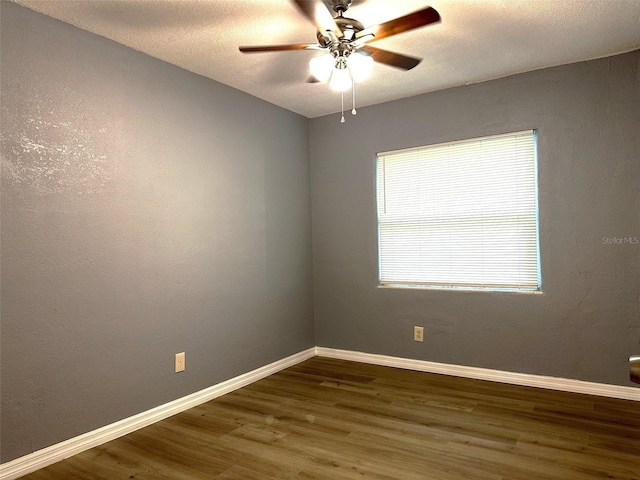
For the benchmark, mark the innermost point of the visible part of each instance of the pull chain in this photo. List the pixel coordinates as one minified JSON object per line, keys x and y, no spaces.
{"x":342,"y":112}
{"x":353,"y":96}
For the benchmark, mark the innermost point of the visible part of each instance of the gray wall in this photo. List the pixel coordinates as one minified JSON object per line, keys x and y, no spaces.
{"x":145,"y":211}
{"x":587,"y":322}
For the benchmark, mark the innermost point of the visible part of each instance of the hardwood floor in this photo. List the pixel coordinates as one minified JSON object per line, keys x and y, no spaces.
{"x":333,"y":420}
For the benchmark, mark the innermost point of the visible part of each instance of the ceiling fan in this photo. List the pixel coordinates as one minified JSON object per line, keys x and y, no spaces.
{"x":348,"y":55}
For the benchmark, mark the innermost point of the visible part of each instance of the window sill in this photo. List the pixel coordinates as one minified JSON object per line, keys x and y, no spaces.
{"x":459,"y":289}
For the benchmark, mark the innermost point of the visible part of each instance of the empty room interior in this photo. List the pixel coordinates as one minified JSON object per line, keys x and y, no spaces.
{"x":219,"y":260}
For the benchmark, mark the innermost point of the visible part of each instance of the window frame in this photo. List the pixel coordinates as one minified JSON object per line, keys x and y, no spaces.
{"x":468,"y":287}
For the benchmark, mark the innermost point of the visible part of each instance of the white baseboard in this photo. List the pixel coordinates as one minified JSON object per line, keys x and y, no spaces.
{"x":527,"y":380}
{"x":47,"y":456}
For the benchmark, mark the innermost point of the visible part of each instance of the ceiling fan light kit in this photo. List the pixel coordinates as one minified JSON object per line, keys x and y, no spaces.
{"x":358,"y":64}
{"x":347,"y":56}
{"x":339,"y":71}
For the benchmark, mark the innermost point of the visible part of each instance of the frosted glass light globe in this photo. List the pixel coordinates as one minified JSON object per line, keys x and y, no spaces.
{"x":322,"y":66}
{"x":360,"y":66}
{"x":340,"y":79}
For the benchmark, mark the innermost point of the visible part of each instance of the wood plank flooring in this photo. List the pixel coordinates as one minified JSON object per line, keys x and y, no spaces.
{"x":337,"y":420}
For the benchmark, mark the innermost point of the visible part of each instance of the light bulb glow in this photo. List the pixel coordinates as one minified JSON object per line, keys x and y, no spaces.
{"x":322,"y":66}
{"x":360,"y":66}
{"x":340,"y":79}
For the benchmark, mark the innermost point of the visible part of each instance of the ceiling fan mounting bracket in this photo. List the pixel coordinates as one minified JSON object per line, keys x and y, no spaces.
{"x":340,"y":6}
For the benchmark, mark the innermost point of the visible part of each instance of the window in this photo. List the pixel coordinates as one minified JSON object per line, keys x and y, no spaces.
{"x":460,"y":215}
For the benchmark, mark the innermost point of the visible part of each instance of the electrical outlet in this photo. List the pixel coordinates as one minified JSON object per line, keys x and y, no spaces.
{"x":180,"y":362}
{"x":418,"y":333}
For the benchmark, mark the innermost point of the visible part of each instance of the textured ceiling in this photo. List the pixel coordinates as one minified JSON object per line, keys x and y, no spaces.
{"x":477,"y":40}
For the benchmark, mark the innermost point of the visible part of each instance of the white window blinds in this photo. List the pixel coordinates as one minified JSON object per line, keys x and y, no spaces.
{"x":461,"y":214}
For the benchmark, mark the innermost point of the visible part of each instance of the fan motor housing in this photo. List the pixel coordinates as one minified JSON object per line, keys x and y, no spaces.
{"x":349,"y":28}
{"x":345,"y":23}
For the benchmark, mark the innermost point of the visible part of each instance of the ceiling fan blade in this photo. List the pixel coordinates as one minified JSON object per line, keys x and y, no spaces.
{"x":278,"y":48}
{"x":317,"y":12}
{"x":397,"y":60}
{"x":417,"y":19}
